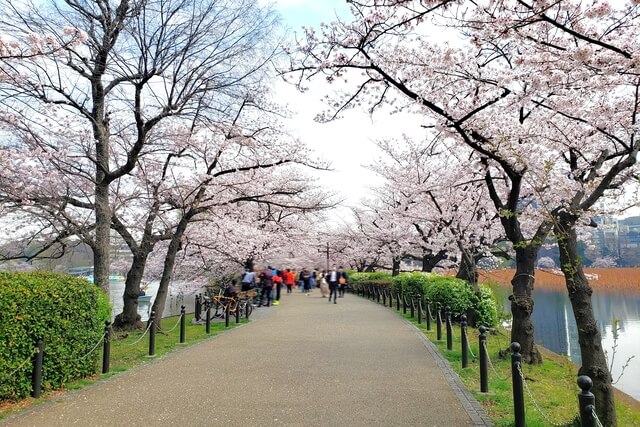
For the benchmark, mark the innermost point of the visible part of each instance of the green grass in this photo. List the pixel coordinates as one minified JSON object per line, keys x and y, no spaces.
{"x":552,"y":384}
{"x":125,"y":356}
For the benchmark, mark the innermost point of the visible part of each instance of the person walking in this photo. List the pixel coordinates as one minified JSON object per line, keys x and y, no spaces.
{"x":333,"y":285}
{"x":277,"y":281}
{"x":266,"y":283}
{"x":342,"y":281}
{"x":324,"y":285}
{"x":289,"y":280}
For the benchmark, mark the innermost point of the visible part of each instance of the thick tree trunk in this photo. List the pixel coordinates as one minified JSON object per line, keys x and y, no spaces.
{"x":167,"y":272}
{"x":395,"y":267}
{"x":594,"y":361}
{"x":430,"y":260}
{"x":468,"y":270}
{"x":102,"y":239}
{"x":129,"y":318}
{"x":522,"y":304}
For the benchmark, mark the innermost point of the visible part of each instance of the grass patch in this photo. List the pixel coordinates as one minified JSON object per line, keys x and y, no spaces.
{"x":126,"y":355}
{"x":552,"y":384}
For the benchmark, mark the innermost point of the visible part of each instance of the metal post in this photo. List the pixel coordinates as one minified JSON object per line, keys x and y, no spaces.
{"x":390,"y":299}
{"x":412,"y":300}
{"x":438,"y":322}
{"x":398,"y":301}
{"x":106,"y":348}
{"x":384,"y":297}
{"x":237,"y":312}
{"x":420,"y":310}
{"x":484,"y":365}
{"x":463,"y":340}
{"x":227,"y":313}
{"x":447,"y":315}
{"x":36,"y":373}
{"x":198,"y":308}
{"x":152,"y":334}
{"x":207,"y":322}
{"x":518,"y":387}
{"x":379,"y":291}
{"x":586,"y":402}
{"x":428,"y":315}
{"x":183,"y":325}
{"x":404,"y":303}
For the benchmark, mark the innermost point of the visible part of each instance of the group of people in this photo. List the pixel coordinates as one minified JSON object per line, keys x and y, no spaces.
{"x":270,"y":281}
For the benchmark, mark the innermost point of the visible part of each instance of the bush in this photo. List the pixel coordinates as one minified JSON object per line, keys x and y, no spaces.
{"x":356,"y":277}
{"x":67,"y":312}
{"x":452,"y":292}
{"x":486,"y":308}
{"x":411,"y":283}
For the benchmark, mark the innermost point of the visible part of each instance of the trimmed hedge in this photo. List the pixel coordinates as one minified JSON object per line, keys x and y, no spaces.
{"x":446,"y":290}
{"x":67,"y":312}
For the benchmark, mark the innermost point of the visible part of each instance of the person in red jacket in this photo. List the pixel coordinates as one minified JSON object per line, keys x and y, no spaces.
{"x":289,"y":280}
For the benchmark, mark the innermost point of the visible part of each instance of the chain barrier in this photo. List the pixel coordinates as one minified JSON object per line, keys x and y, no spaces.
{"x":145,"y":333}
{"x":174,"y":326}
{"x":469,"y":347}
{"x":484,"y":345}
{"x":94,"y":347}
{"x":533,"y":400}
{"x":20,"y":366}
{"x":595,"y":417}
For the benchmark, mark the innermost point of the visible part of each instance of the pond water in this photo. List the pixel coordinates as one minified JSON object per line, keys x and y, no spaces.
{"x":555,"y":329}
{"x":172,"y":306}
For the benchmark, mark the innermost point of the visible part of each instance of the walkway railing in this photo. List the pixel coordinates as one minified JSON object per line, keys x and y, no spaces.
{"x":586,"y":399}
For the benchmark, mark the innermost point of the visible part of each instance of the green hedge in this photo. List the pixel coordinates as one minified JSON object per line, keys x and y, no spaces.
{"x":446,"y":290}
{"x":67,"y":312}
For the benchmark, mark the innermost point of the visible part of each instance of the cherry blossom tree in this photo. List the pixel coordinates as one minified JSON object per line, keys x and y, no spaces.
{"x":544,"y":92}
{"x":137,"y":65}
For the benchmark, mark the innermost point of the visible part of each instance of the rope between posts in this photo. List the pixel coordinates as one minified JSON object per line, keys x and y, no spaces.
{"x":6,"y":377}
{"x":469,"y":347}
{"x":595,"y":417}
{"x":491,"y":363}
{"x":533,"y":400}
{"x":175,"y":326}
{"x":94,"y":347}
{"x":145,"y":333}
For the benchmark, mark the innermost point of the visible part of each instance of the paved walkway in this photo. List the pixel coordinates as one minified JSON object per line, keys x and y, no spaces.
{"x":307,"y":363}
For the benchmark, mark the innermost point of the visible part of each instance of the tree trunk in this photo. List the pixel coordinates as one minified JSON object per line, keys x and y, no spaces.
{"x":430,"y":260}
{"x":129,"y":318}
{"x":594,"y":361}
{"x":468,"y":270}
{"x":395,"y":267}
{"x":167,"y":272}
{"x":102,"y":239}
{"x":522,"y":303}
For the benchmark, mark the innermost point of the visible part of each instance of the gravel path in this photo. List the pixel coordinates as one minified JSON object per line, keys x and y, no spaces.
{"x":303,"y":363}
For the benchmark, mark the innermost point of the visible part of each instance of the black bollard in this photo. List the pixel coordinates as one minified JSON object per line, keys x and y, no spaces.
{"x":484,"y":368}
{"x":227,"y":314}
{"x":518,"y":387}
{"x":449,"y":326}
{"x":398,"y":301}
{"x":198,"y":308}
{"x":438,"y":322}
{"x":404,"y":303}
{"x":237,"y":312}
{"x":428,"y":315}
{"x":207,"y":321}
{"x":183,"y":325}
{"x":463,"y":340}
{"x":390,"y":299}
{"x":384,"y":297}
{"x":379,"y":291}
{"x":412,"y":300}
{"x":106,"y":348}
{"x":420,"y":310}
{"x":152,"y":334}
{"x":36,"y":373}
{"x":586,"y":402}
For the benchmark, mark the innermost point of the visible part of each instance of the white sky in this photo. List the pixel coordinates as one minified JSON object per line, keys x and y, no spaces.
{"x":349,"y":142}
